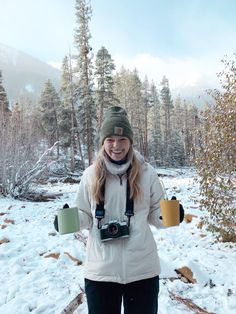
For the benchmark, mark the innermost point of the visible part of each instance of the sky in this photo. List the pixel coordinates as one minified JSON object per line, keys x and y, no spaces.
{"x":33,"y":282}
{"x":182,"y":39}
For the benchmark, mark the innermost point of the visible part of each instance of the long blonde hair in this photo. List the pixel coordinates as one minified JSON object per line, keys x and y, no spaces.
{"x":101,"y":172}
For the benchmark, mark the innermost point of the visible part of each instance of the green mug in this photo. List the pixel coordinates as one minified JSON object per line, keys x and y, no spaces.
{"x":68,"y":220}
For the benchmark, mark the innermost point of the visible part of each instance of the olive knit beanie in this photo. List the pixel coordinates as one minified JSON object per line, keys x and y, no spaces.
{"x":116,"y":123}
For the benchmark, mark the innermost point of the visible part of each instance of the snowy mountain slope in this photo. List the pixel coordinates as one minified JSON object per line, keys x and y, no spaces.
{"x":24,"y":75}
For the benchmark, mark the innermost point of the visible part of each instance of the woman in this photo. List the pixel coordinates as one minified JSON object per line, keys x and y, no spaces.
{"x":118,"y":199}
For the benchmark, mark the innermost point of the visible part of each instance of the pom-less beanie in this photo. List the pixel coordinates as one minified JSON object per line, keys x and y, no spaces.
{"x":116,"y":123}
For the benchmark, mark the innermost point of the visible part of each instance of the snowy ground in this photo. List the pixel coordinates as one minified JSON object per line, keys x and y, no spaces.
{"x":30,"y":282}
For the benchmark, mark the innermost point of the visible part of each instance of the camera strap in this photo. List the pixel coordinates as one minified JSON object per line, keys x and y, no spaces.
{"x":129,"y":210}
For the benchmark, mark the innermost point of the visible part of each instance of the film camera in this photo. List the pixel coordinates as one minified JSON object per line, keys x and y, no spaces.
{"x":114,"y":229}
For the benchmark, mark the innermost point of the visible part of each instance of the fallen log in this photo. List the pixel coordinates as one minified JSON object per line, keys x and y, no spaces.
{"x":74,"y":304}
{"x":4,"y":240}
{"x":189,"y":303}
{"x":74,"y":259}
{"x":40,"y":197}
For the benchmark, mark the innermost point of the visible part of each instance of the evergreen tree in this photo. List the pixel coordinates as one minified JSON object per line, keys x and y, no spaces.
{"x":5,"y":114}
{"x":86,"y":106}
{"x":146,"y":111}
{"x":192,"y":124}
{"x":49,"y":103}
{"x":135,"y":108}
{"x":179,"y":131}
{"x":166,"y":106}
{"x":68,"y":124}
{"x":155,"y":125}
{"x":105,"y":83}
{"x":4,"y":105}
{"x":185,"y":122}
{"x":121,"y":86}
{"x":128,"y":91}
{"x":177,"y":150}
{"x":65,"y":112}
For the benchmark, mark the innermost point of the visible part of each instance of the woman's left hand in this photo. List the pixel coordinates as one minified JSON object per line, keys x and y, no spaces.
{"x":181,"y":210}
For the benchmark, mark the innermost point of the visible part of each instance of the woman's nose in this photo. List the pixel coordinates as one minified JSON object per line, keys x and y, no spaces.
{"x":116,"y":143}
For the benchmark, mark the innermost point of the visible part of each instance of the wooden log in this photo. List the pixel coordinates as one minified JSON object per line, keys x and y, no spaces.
{"x":41,"y":197}
{"x":74,"y":304}
{"x":4,"y":240}
{"x":74,"y":259}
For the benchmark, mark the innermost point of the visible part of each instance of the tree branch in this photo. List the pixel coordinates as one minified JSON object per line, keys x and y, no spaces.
{"x":189,"y":303}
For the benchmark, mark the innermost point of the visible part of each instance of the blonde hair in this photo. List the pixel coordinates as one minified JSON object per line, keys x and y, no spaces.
{"x":101,"y":172}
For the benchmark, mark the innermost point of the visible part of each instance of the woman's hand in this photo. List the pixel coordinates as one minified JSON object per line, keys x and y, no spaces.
{"x":181,"y":210}
{"x":55,"y":222}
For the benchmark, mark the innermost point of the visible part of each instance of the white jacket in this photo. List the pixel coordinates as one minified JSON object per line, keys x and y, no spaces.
{"x":121,"y":260}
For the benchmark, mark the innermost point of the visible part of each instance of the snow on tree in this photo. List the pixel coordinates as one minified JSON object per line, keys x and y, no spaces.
{"x":156,"y":143}
{"x":67,"y":117}
{"x":105,"y":96}
{"x":86,"y":106}
{"x":49,"y":103}
{"x":166,"y":106}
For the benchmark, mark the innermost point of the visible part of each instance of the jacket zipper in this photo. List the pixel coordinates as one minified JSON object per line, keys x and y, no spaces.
{"x":120,"y":177}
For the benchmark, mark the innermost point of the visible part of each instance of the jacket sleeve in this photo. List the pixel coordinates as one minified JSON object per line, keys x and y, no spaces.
{"x":156,"y":194}
{"x":83,"y":203}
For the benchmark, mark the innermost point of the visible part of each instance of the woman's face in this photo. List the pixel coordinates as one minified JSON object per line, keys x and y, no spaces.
{"x":117,"y":147}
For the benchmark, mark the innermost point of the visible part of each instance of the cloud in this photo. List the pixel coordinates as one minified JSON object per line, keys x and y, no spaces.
{"x":56,"y":65}
{"x":188,"y":77}
{"x":181,"y":73}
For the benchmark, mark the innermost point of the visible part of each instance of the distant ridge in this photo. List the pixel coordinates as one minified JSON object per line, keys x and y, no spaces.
{"x":24,"y":75}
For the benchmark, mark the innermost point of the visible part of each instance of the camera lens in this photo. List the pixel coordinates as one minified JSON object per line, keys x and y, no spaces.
{"x":112,"y":229}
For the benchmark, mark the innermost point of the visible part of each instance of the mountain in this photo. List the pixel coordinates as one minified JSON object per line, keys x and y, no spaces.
{"x":24,"y":75}
{"x":196,"y":95}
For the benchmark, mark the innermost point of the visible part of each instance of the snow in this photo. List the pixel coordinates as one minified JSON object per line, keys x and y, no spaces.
{"x":30,"y":282}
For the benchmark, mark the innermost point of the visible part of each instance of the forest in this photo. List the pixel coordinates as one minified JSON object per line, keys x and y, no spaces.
{"x":57,"y":135}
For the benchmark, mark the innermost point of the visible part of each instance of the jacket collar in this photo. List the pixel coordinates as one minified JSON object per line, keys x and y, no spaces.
{"x":116,"y":169}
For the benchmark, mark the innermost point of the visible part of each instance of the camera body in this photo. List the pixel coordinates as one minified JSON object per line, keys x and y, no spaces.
{"x":114,"y":229}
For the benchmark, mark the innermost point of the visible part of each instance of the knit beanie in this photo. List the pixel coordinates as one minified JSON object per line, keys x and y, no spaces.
{"x":116,"y":123}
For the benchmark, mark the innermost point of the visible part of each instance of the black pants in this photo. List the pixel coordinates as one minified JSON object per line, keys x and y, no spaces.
{"x":139,"y":297}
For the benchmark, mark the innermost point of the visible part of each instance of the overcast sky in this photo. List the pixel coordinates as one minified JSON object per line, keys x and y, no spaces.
{"x":183,"y":39}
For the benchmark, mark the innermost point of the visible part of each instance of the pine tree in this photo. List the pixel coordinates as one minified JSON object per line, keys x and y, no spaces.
{"x":49,"y":104}
{"x":4,"y":105}
{"x":155,"y":125}
{"x":136,"y":111}
{"x":86,"y":108}
{"x":67,"y":117}
{"x":5,"y":114}
{"x":192,"y":125}
{"x":65,"y":112}
{"x":166,"y":105}
{"x":183,"y":122}
{"x":134,"y":96}
{"x":105,"y":83}
{"x":147,"y":104}
{"x":177,"y":150}
{"x":121,"y":86}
